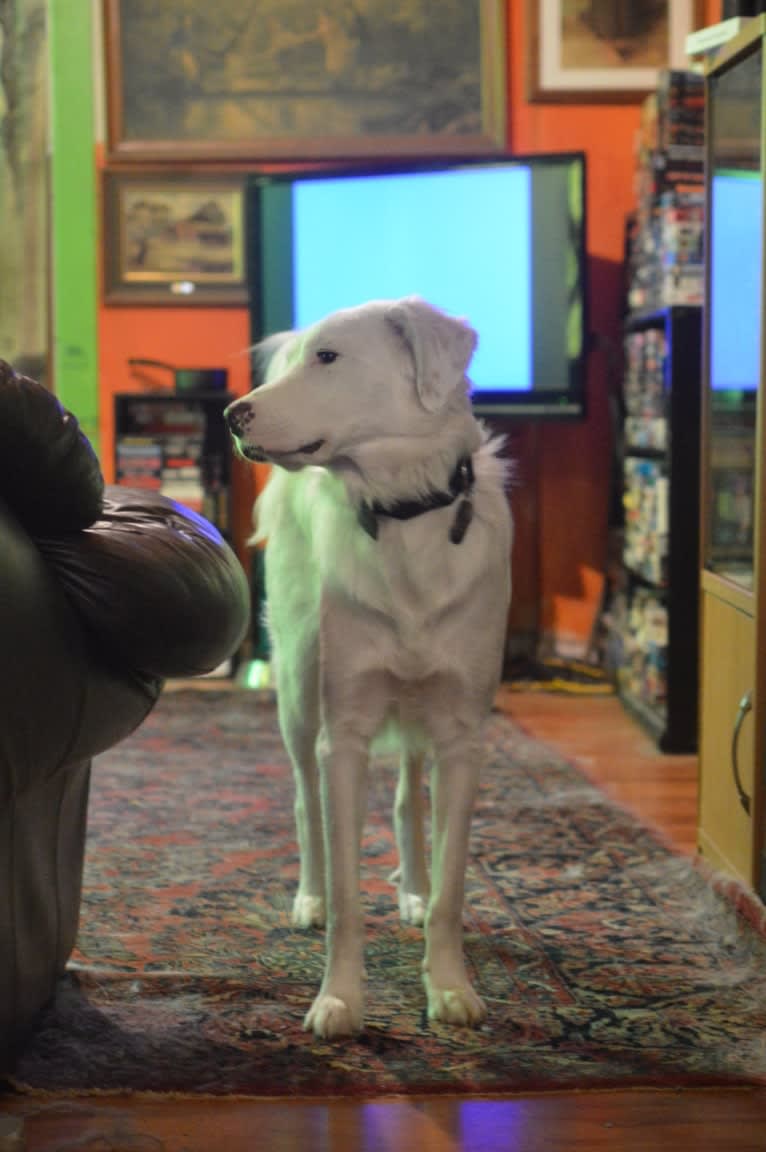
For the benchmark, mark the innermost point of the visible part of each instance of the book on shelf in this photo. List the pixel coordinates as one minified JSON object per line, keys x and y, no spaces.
{"x":139,"y":462}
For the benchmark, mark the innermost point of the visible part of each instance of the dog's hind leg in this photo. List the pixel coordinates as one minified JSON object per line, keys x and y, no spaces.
{"x":409,"y":824}
{"x":299,"y":723}
{"x":454,"y":781}
{"x":309,"y":902}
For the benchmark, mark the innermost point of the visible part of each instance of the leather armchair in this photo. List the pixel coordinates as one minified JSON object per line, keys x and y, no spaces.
{"x":105,"y":592}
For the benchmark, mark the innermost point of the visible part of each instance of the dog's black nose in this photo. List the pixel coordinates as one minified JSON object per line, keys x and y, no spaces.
{"x":238,"y":415}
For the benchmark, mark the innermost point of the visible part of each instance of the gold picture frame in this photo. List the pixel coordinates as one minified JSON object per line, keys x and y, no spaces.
{"x":25,"y":190}
{"x":295,"y":80}
{"x":174,"y":238}
{"x":604,"y":51}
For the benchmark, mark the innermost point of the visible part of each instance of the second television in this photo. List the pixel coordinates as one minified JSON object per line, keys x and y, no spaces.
{"x":498,"y":241}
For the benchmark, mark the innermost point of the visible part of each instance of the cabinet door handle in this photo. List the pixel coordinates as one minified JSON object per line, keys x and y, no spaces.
{"x":745,"y":705}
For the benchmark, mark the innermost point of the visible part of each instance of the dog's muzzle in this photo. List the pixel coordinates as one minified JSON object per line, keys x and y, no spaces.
{"x":239,"y":416}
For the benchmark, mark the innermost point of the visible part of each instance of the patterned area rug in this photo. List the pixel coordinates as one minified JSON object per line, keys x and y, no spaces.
{"x":605,"y":960}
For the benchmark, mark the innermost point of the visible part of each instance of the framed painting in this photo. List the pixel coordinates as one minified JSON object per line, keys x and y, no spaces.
{"x":605,"y":50}
{"x":25,"y":189}
{"x":174,"y":238}
{"x":187,"y":80}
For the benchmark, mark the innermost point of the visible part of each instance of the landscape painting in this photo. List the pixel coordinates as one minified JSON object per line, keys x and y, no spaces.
{"x":174,"y":238}
{"x":304,"y":79}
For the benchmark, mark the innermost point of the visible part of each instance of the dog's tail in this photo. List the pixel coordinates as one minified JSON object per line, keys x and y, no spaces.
{"x":492,"y":459}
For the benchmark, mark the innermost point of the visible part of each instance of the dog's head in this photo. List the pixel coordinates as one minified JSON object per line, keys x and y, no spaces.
{"x":383,"y":375}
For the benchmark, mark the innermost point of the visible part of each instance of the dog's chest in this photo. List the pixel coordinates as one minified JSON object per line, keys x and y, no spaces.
{"x":413,"y":579}
{"x":418,"y":570}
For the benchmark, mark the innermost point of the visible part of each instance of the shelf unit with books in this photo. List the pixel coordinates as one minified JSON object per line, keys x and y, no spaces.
{"x":652,"y":624}
{"x":176,"y":444}
{"x":664,"y":258}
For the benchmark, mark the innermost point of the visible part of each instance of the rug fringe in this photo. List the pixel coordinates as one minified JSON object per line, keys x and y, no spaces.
{"x":744,"y":900}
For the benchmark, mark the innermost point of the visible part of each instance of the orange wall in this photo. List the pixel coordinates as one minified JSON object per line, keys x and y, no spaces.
{"x":189,"y":338}
{"x":561,"y":503}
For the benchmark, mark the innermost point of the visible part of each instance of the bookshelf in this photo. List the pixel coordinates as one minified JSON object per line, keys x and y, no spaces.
{"x":652,"y":644}
{"x":178,"y":445}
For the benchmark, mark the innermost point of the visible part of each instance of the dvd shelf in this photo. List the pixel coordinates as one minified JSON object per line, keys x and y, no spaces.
{"x":652,"y":625}
{"x":176,"y":444}
{"x":665,"y":263}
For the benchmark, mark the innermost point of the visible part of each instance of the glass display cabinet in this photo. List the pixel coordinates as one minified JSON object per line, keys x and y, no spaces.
{"x":732,"y":742}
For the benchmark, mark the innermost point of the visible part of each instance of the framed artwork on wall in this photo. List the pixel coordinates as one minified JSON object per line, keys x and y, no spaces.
{"x":25,"y":188}
{"x":174,"y":238}
{"x":605,"y":50}
{"x":191,"y":81}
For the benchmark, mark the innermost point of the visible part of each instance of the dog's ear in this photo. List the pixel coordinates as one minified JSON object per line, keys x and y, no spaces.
{"x":441,"y":345}
{"x":264,"y":353}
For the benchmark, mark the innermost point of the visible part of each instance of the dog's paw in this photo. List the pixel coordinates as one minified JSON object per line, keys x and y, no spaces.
{"x":308,"y":911}
{"x":412,"y":908}
{"x":330,"y":1017}
{"x":458,"y":1005}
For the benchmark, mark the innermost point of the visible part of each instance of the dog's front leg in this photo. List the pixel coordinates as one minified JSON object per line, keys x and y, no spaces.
{"x":338,"y":1010}
{"x":412,"y":874}
{"x":454,"y":782}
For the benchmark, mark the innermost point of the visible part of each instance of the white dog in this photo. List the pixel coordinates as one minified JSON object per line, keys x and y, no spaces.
{"x":387,"y":581}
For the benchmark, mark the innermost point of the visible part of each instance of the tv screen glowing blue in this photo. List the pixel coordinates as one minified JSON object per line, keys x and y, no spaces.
{"x":500,"y":243}
{"x":735,"y":280}
{"x":413,"y":235}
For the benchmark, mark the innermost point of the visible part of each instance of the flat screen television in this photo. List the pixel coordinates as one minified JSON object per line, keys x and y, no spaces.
{"x":735,"y":278}
{"x":498,"y":241}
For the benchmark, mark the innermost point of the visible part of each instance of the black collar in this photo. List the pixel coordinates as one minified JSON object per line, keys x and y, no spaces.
{"x":460,"y":484}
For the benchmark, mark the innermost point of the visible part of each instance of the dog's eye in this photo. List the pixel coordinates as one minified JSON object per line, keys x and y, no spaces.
{"x":326,"y":356}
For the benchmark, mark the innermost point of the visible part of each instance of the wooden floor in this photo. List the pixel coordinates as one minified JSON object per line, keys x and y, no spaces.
{"x":609,"y":747}
{"x":616,"y":754}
